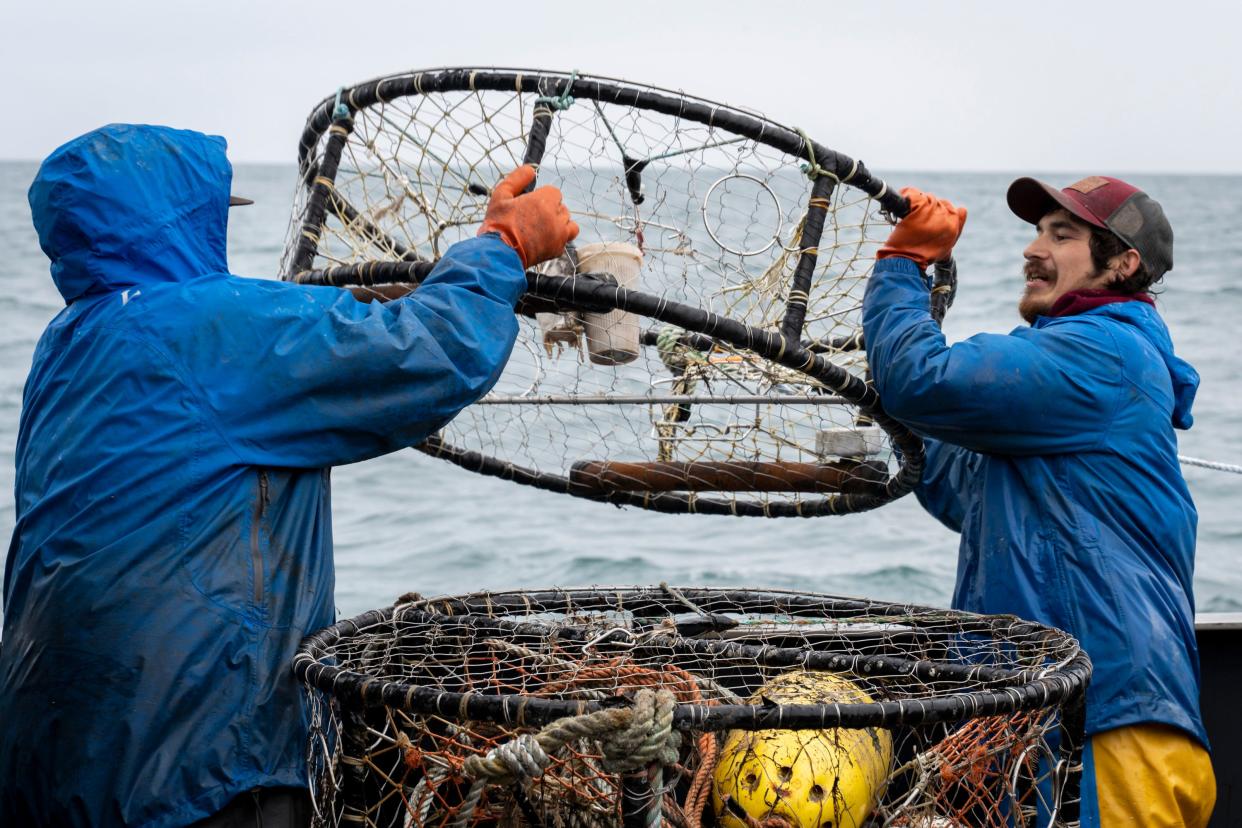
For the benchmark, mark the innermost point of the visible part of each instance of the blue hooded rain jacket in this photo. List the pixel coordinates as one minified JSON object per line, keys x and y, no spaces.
{"x":1052,"y":451}
{"x":173,"y":540}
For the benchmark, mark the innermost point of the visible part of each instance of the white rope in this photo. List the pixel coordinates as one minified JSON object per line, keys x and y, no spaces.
{"x":1209,"y":464}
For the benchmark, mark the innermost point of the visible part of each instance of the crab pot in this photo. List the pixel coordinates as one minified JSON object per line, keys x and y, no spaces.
{"x":613,"y":337}
{"x":848,"y":712}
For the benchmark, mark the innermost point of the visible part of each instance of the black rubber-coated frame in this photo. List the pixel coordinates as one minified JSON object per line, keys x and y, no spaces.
{"x":334,"y":115}
{"x":1001,"y":691}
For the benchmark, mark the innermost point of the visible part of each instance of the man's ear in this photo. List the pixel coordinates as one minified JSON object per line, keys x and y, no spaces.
{"x":1124,"y":265}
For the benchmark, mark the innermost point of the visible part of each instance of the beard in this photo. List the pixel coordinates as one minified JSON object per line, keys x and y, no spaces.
{"x":1032,"y":307}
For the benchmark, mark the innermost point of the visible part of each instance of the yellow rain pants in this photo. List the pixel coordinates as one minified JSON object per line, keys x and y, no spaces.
{"x":1152,"y":775}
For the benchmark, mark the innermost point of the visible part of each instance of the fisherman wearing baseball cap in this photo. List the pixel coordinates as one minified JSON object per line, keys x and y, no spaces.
{"x":1052,"y":450}
{"x":1122,"y":223}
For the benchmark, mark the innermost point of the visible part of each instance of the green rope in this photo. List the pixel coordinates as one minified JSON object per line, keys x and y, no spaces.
{"x":812,"y":170}
{"x":675,"y":354}
{"x":608,"y":126}
{"x":562,"y":101}
{"x":674,"y":153}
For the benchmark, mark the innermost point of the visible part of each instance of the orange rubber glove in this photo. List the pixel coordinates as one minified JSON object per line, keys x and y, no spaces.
{"x":536,"y":224}
{"x":928,"y":232}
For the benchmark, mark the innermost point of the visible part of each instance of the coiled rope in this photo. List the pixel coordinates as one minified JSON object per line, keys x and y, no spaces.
{"x":631,"y":738}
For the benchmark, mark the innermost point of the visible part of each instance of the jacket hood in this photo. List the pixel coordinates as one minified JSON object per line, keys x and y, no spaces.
{"x":129,"y":205}
{"x":1185,"y":378}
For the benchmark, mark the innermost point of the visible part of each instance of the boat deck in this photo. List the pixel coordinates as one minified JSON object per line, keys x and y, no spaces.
{"x":1220,"y":669}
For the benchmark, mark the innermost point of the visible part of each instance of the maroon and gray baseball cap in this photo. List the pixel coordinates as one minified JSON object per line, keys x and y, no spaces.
{"x":1108,"y":203}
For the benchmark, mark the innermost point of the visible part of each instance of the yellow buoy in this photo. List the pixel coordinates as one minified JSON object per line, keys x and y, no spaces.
{"x":811,"y":778}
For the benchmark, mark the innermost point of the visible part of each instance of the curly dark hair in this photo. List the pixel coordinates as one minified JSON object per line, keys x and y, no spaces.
{"x":1104,"y":245}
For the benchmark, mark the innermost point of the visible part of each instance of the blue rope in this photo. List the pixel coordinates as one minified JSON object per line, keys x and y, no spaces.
{"x":340,"y":111}
{"x":562,"y":101}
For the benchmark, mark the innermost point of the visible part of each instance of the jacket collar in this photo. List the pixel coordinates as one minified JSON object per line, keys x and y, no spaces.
{"x":1080,"y":301}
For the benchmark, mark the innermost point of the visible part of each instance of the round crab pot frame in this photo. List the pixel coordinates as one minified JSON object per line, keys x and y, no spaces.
{"x":614,"y":706}
{"x":749,"y":391}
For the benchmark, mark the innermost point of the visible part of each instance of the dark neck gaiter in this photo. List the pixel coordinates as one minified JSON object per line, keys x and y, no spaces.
{"x":1079,"y":301}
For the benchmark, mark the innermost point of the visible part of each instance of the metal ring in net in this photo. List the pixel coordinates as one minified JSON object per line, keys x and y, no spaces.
{"x":707,"y":222}
{"x":682,"y":362}
{"x":644,"y":706}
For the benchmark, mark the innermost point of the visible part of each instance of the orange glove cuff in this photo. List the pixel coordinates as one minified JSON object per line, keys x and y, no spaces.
{"x":890,"y":252}
{"x":506,"y":237}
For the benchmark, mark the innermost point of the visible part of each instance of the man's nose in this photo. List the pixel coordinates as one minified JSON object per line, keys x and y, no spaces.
{"x":1035,"y":250}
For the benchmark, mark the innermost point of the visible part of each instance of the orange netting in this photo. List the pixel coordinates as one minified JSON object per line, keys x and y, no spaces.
{"x":975,"y":776}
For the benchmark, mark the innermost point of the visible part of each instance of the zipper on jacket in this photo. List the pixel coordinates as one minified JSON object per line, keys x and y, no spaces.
{"x":256,"y":553}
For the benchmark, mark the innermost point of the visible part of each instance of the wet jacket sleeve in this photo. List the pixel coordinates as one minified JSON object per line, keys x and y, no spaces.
{"x":307,"y":376}
{"x":945,"y":488}
{"x":1035,"y":391}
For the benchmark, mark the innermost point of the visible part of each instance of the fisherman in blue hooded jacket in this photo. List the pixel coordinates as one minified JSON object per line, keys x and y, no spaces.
{"x":173,"y":541}
{"x":1052,"y":451}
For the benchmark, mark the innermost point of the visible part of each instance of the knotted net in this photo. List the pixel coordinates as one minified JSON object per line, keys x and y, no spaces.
{"x":698,"y":349}
{"x":671,"y":707}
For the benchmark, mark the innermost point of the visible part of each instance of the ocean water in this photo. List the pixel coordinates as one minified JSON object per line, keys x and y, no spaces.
{"x":406,"y":522}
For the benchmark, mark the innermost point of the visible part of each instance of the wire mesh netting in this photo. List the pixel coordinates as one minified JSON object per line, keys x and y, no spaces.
{"x":698,"y":349}
{"x":691,"y":707}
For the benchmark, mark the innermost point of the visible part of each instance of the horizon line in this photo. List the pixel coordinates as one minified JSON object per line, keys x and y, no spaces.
{"x":887,"y":170}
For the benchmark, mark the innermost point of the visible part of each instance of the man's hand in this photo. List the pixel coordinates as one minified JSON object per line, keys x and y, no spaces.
{"x":928,"y":232}
{"x":536,"y":224}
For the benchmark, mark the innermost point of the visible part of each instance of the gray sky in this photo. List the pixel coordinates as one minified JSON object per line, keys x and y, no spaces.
{"x":1048,"y":85}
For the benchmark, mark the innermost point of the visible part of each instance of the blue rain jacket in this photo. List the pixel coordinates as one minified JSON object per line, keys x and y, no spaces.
{"x":173,"y":540}
{"x":1052,"y":451}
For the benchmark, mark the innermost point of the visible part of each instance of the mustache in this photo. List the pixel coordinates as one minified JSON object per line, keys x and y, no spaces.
{"x":1031,"y":270}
